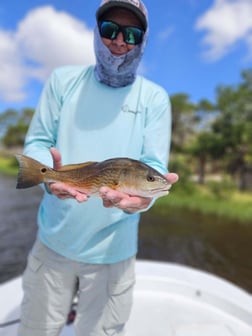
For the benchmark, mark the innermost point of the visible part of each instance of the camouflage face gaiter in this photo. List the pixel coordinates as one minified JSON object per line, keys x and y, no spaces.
{"x":116,"y":71}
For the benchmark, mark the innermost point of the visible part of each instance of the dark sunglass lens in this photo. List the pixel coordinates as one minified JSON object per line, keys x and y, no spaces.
{"x":108,"y":30}
{"x":133,"y":35}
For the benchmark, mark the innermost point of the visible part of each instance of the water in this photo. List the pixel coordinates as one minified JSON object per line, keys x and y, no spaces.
{"x":18,"y":209}
{"x":206,"y":243}
{"x":223,"y":248}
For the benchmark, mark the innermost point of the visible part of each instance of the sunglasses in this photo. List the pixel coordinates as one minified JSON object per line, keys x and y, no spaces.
{"x":110,"y":30}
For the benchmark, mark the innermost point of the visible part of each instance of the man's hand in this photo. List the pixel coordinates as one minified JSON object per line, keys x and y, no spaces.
{"x":113,"y":198}
{"x":61,"y":190}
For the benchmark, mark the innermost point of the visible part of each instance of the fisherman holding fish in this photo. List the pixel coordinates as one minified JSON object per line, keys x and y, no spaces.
{"x":105,"y":131}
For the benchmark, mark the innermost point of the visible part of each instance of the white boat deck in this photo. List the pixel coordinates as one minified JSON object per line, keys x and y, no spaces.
{"x":169,"y":300}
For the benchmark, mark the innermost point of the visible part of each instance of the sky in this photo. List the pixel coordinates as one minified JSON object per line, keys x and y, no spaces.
{"x":193,"y":46}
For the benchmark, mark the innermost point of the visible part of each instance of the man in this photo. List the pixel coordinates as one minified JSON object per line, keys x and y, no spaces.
{"x":91,"y":114}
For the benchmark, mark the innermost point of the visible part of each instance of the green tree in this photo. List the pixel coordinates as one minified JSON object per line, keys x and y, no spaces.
{"x":183,"y":120}
{"x":234,"y":125}
{"x":15,"y":133}
{"x":7,"y":118}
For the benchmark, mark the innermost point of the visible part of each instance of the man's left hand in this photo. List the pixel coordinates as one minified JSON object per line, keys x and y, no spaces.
{"x":113,"y":198}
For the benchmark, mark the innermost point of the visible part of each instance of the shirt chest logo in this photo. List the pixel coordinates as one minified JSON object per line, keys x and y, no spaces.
{"x":127,"y":109}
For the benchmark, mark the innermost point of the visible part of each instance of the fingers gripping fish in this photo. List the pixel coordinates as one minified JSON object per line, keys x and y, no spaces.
{"x":123,"y":174}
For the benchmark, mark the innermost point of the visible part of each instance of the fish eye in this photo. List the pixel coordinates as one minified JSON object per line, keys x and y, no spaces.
{"x":150,"y":178}
{"x":43,"y":170}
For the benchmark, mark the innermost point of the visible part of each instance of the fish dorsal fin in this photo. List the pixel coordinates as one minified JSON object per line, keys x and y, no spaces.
{"x":76,"y":166}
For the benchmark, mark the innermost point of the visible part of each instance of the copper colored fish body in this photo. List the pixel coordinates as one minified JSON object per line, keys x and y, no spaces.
{"x":123,"y":174}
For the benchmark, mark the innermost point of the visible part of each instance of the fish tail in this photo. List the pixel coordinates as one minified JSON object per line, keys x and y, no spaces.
{"x":31,"y":172}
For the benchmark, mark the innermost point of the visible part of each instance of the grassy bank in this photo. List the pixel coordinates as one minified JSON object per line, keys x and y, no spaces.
{"x":8,"y":165}
{"x":229,"y":204}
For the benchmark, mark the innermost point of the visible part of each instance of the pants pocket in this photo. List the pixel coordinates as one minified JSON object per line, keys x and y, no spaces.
{"x":119,"y":305}
{"x":47,"y":296}
{"x":32,"y":268}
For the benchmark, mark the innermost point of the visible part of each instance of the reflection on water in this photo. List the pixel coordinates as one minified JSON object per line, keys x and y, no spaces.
{"x":18,"y":210}
{"x":207,"y":243}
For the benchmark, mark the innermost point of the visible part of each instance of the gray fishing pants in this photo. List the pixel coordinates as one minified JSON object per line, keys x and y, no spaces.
{"x":50,"y":282}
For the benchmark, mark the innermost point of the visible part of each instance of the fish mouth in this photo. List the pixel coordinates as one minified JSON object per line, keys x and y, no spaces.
{"x":162,"y":189}
{"x":160,"y":192}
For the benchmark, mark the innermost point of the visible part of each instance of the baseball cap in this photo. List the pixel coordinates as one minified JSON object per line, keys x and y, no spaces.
{"x":135,"y":6}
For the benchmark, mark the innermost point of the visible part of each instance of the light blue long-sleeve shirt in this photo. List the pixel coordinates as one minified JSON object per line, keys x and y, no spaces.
{"x":89,"y":121}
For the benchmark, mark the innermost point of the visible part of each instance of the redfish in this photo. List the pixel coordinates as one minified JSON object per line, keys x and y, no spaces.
{"x":123,"y":174}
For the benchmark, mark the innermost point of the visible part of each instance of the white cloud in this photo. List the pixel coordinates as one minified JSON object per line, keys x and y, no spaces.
{"x":44,"y":39}
{"x":165,"y":34}
{"x":12,"y":71}
{"x":226,"y":23}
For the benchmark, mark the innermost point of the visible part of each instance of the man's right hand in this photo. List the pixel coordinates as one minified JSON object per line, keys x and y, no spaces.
{"x":60,"y":189}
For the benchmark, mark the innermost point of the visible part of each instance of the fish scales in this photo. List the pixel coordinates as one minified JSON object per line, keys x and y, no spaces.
{"x":123,"y":174}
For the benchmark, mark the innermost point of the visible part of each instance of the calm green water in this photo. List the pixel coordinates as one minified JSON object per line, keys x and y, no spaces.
{"x":207,"y":243}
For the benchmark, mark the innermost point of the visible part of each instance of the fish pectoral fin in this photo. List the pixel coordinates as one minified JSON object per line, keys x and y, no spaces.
{"x":76,"y":166}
